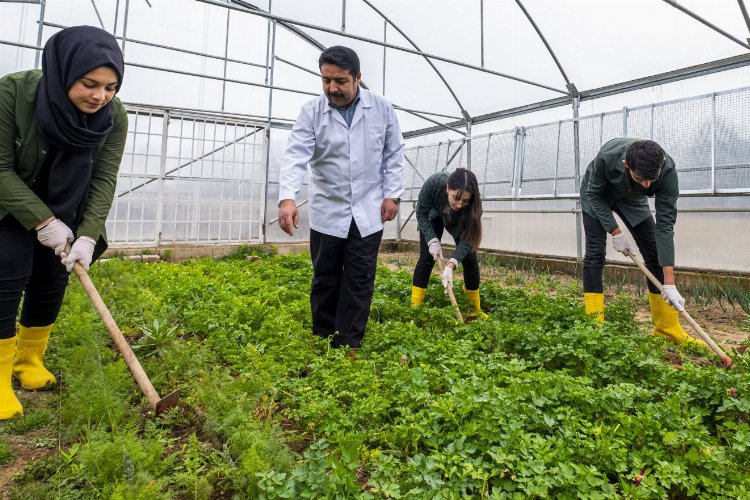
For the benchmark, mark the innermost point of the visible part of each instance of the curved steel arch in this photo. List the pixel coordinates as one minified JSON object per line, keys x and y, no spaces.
{"x":315,"y":43}
{"x":429,"y":61}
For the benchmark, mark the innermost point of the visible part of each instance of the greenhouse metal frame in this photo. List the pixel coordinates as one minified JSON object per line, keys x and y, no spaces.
{"x":162,"y":196}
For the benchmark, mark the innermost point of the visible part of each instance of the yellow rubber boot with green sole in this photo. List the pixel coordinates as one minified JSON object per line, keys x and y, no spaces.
{"x":417,"y":296}
{"x":594,"y":304}
{"x":30,"y":348}
{"x":9,"y":404}
{"x":667,"y":321}
{"x":476,"y":303}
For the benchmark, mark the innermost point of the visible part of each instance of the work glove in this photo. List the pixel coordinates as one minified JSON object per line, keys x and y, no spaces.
{"x":447,"y":277}
{"x":435,"y":249}
{"x":55,"y":235}
{"x":623,"y":244}
{"x":672,"y":297}
{"x":82,"y":251}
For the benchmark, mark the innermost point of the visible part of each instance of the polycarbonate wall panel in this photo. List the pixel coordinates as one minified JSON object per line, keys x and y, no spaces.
{"x":732,"y":124}
{"x":196,"y":180}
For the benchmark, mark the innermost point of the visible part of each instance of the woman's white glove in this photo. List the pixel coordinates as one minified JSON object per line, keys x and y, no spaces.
{"x":55,"y":235}
{"x":623,"y":244}
{"x":82,"y":251}
{"x":435,"y":249}
{"x":672,"y":297}
{"x":447,"y":277}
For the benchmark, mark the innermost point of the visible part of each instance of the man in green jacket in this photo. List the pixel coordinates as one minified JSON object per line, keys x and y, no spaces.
{"x":623,"y":175}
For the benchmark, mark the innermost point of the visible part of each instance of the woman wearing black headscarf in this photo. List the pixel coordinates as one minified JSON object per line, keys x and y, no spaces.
{"x":62,"y":135}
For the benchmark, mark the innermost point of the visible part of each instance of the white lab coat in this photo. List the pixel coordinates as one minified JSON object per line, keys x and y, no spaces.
{"x":352,"y":168}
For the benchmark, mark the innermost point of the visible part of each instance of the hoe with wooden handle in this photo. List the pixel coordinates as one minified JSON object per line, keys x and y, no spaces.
{"x":159,"y":404}
{"x":450,"y":292}
{"x":704,"y":336}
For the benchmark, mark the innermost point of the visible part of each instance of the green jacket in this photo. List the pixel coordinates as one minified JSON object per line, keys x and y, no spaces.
{"x":428,"y":208}
{"x":606,"y":183}
{"x":23,"y":153}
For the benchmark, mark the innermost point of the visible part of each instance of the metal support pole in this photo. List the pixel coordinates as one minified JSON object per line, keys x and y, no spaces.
{"x":557,"y":160}
{"x":481,"y":33}
{"x":577,"y":166}
{"x":266,"y":174}
{"x":268,"y":42}
{"x":271,"y":68}
{"x":125,"y":26}
{"x":713,"y":142}
{"x":39,"y":30}
{"x":162,"y":175}
{"x":385,"y":40}
{"x":625,"y":113}
{"x":468,"y":143}
{"x":264,"y":202}
{"x":117,"y":11}
{"x":226,"y":56}
{"x":343,"y":16}
{"x":745,"y":15}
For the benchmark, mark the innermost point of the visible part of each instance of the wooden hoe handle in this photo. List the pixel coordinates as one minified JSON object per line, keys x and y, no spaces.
{"x":704,"y":336}
{"x":450,"y":292}
{"x":159,"y":404}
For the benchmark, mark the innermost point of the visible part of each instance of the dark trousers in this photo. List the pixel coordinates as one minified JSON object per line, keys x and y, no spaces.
{"x":342,"y":285}
{"x":425,"y":263}
{"x":644,"y":235}
{"x":31,"y":270}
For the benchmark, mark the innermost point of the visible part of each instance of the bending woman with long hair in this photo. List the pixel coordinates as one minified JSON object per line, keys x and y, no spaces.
{"x":449,"y":202}
{"x":62,"y":135}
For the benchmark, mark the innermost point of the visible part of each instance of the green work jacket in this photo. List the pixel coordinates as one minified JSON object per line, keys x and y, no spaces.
{"x":429,"y":208}
{"x":607,"y":183}
{"x":23,"y":152}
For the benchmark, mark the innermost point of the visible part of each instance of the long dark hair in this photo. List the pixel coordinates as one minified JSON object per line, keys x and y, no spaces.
{"x":471,"y":214}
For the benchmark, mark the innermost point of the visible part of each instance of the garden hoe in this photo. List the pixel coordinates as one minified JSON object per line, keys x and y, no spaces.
{"x":704,"y":336}
{"x":159,"y":404}
{"x":450,"y":292}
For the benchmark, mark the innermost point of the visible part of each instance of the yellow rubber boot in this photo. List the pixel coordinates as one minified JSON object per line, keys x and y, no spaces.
{"x":594,"y":304}
{"x":476,"y":304}
{"x":28,"y":367}
{"x":9,"y":404}
{"x":417,"y":296}
{"x":667,"y":322}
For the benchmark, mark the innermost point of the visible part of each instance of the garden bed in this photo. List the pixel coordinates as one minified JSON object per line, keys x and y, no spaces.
{"x":537,"y":401}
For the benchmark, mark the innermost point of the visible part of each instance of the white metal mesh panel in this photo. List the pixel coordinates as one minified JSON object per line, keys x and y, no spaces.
{"x":422,"y":162}
{"x":566,"y":178}
{"x":733,"y":141}
{"x":611,"y":127}
{"x":498,"y":168}
{"x":639,"y":123}
{"x":540,"y":160}
{"x":457,"y":155}
{"x":589,"y":143}
{"x":683,"y":129}
{"x":197,"y":181}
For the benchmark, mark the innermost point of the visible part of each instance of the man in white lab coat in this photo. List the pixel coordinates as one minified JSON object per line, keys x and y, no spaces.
{"x":351,"y":139}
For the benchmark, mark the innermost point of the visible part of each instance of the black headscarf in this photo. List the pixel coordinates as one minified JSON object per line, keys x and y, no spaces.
{"x":72,"y":134}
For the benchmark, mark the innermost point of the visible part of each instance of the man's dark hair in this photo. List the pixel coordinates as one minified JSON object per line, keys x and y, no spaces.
{"x":341,"y":56}
{"x":645,"y":159}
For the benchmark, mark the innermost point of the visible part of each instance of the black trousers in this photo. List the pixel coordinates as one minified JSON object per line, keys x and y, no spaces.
{"x":644,"y":235}
{"x":31,"y":270}
{"x":425,"y":263}
{"x":342,"y":285}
